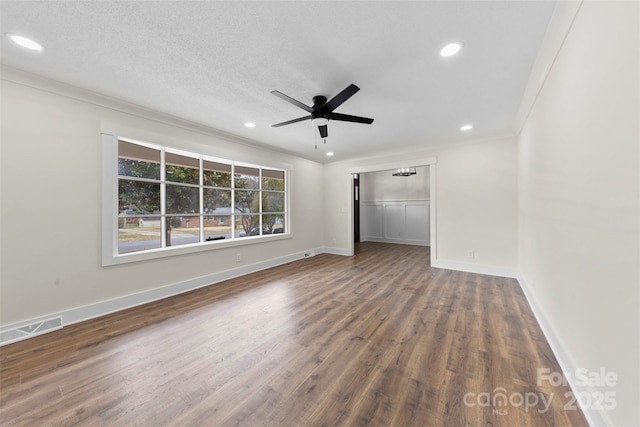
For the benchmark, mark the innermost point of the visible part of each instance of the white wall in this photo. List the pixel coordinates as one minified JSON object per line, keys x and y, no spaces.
{"x":571,"y":224}
{"x":476,"y":204}
{"x":381,"y":186}
{"x":395,"y":209}
{"x":51,"y":204}
{"x":579,"y":207}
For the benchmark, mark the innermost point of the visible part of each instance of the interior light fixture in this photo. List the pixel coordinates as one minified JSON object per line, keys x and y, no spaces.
{"x":250,"y":125}
{"x":25,"y":42}
{"x":404,"y":172}
{"x":330,"y":153}
{"x":319,"y":121}
{"x":451,"y":49}
{"x":466,"y":128}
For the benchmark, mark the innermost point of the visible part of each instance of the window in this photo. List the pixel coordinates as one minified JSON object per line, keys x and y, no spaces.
{"x":169,"y":198}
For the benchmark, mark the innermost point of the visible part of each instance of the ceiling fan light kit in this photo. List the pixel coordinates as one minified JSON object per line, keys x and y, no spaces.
{"x":319,"y":121}
{"x":322,"y":110}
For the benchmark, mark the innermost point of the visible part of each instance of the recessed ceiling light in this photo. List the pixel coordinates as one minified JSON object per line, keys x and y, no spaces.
{"x":330,"y":153}
{"x":466,"y":128}
{"x":451,"y":49}
{"x":24,"y":42}
{"x":250,"y":125}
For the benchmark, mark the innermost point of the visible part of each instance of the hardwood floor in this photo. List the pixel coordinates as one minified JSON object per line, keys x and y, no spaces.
{"x":378,"y":339}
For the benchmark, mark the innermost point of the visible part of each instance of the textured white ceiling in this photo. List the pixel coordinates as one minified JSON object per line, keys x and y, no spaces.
{"x":215,"y":63}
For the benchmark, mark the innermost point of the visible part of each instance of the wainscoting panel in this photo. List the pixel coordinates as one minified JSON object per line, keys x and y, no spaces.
{"x":371,"y":222}
{"x":417,"y":221}
{"x":404,"y":221}
{"x":394,"y":221}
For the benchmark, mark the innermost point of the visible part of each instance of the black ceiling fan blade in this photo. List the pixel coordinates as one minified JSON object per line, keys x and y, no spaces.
{"x":323,"y":131}
{"x":337,"y":100}
{"x":292,"y":101}
{"x":299,"y":119}
{"x":348,"y":118}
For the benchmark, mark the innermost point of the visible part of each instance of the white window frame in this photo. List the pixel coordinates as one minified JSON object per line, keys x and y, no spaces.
{"x":110,"y":211}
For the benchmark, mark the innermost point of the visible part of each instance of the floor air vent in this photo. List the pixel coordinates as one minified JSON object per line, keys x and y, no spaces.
{"x":31,"y":330}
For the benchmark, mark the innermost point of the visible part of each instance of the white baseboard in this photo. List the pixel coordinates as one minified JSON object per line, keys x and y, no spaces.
{"x":475,"y":268}
{"x":396,"y":241}
{"x":336,"y":251}
{"x":91,"y":311}
{"x":565,"y":360}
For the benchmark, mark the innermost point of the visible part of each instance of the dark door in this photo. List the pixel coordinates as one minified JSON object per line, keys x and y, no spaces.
{"x":356,"y":208}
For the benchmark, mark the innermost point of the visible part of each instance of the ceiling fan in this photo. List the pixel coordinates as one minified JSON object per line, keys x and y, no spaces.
{"x":322,"y":111}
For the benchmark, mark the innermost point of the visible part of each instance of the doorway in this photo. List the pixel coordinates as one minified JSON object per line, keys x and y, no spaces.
{"x":355,"y":208}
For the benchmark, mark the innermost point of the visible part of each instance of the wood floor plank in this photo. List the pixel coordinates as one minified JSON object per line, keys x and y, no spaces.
{"x":377,"y":339}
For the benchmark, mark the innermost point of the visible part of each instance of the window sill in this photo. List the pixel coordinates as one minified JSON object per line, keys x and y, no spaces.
{"x":108,"y":260}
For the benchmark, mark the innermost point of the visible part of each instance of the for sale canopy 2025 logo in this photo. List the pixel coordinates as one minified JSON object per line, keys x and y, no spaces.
{"x":598,"y":397}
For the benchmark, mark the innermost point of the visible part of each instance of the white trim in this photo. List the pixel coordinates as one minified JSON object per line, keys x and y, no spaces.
{"x":475,"y":268}
{"x":350,"y":213}
{"x":395,"y":241}
{"x":109,"y":162}
{"x":559,"y":26}
{"x":413,"y":163}
{"x":566,"y":362}
{"x":420,"y":161}
{"x":406,"y":201}
{"x":387,"y":237}
{"x":189,"y":249}
{"x":336,"y":251}
{"x":432,"y":212}
{"x":92,"y":311}
{"x":27,"y":79}
{"x":109,"y":198}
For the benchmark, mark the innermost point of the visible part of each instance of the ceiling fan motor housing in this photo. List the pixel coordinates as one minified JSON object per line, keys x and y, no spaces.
{"x":318,"y":117}
{"x":319,"y":101}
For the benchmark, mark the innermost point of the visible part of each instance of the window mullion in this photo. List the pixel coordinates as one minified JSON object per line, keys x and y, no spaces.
{"x":143,"y":188}
{"x":285,"y":217}
{"x":233,"y":200}
{"x":138,"y":179}
{"x":260,"y":201}
{"x":201,"y":197}
{"x":163,"y":200}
